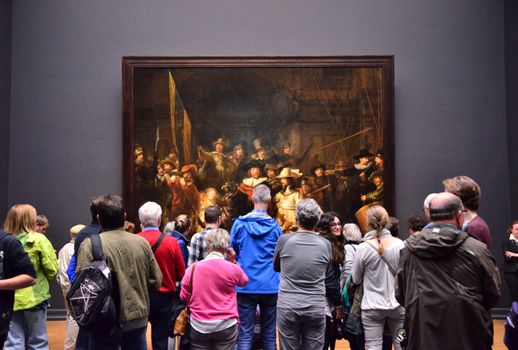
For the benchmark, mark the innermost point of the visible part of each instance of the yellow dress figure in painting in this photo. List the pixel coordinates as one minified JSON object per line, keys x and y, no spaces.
{"x":286,"y":200}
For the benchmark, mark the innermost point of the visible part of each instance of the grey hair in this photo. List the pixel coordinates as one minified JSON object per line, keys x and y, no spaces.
{"x":217,"y":239}
{"x":169,"y":227}
{"x":262,"y":194}
{"x":308,"y":213}
{"x":149,"y":214}
{"x":352,"y":232}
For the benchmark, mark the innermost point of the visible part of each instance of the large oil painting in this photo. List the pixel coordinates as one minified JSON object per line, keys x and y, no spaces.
{"x":205,"y":131}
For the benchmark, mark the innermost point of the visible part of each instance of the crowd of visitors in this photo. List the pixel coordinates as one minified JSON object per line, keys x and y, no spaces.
{"x":259,"y":288}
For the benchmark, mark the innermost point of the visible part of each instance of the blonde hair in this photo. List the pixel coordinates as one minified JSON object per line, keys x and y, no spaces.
{"x":21,"y":218}
{"x":378,"y":220}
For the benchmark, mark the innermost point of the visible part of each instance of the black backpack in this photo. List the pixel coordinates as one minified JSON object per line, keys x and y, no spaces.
{"x":93,"y":297}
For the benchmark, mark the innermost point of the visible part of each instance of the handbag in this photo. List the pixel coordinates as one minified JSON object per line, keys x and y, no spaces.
{"x":181,"y":315}
{"x":353,"y":295}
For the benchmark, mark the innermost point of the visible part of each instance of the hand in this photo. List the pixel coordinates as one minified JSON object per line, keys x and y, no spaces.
{"x":363,"y":197}
{"x":510,"y":255}
{"x":340,"y":312}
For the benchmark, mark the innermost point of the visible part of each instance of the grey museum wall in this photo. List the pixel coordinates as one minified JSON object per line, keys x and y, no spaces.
{"x":66,"y":99}
{"x":5,"y":97}
{"x":511,"y":59}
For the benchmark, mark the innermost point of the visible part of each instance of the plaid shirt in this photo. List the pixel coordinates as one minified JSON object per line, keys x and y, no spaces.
{"x":198,"y":249}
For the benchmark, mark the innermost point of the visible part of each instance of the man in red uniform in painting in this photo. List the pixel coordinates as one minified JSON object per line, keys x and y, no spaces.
{"x":185,"y":194}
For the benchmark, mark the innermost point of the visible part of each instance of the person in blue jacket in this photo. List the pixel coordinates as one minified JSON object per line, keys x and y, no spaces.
{"x":253,"y":238}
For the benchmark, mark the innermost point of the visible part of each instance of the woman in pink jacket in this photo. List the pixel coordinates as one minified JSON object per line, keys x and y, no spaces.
{"x":213,"y":306}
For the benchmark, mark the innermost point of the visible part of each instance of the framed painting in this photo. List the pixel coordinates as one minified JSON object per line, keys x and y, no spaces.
{"x":201,"y":131}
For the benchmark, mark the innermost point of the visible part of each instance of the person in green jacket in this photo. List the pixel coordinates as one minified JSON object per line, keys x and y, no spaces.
{"x":28,"y":328}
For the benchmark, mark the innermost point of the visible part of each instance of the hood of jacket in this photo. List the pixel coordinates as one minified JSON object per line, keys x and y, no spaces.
{"x":436,"y":241}
{"x":258,"y":225}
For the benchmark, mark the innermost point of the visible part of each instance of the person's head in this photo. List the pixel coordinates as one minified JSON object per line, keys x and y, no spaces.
{"x":394,"y":226}
{"x":217,"y":240}
{"x":363,"y":157}
{"x":213,"y":215}
{"x":352,"y":233}
{"x":286,"y":149}
{"x":74,"y":230}
{"x":239,"y":150}
{"x":319,"y":171}
{"x":42,"y":223}
{"x":168,"y":166}
{"x":378,"y":161}
{"x":188,"y":171}
{"x":378,"y":218}
{"x":261,"y":196}
{"x":447,"y":208}
{"x":254,"y":172}
{"x":377,"y":179}
{"x":160,"y":169}
{"x":330,"y":224}
{"x":21,"y":218}
{"x":111,"y":212}
{"x":219,"y":145}
{"x":261,"y":153}
{"x":270,"y":170}
{"x":466,"y":189}
{"x":149,"y":214}
{"x":513,"y":229}
{"x":426,"y":204}
{"x":94,"y":208}
{"x":308,"y":213}
{"x":129,"y":226}
{"x":169,"y":227}
{"x":415,"y":224}
{"x":182,"y":223}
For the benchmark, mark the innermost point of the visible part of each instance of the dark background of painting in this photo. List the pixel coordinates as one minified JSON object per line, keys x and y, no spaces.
{"x":61,"y":95}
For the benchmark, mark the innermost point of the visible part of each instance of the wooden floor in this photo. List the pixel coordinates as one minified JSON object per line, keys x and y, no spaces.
{"x":56,"y":331}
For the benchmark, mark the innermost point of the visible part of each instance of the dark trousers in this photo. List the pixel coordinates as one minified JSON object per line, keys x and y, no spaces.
{"x":330,"y":337}
{"x":83,"y":340}
{"x":160,"y":317}
{"x":222,"y":340}
{"x":512,"y":282}
{"x":130,"y":340}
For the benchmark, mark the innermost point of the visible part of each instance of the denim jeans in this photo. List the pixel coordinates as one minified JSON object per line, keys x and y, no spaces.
{"x":247,"y":306}
{"x":28,"y":330}
{"x":130,"y":340}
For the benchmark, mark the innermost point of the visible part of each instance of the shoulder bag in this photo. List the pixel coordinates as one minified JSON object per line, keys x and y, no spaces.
{"x":181,"y":316}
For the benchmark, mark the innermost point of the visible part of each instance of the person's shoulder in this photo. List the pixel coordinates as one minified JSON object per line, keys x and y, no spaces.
{"x":474,"y":246}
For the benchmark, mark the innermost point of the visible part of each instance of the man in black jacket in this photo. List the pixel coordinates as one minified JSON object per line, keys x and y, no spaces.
{"x":448,"y":282}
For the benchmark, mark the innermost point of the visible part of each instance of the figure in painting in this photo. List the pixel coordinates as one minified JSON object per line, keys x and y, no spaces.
{"x":186,"y":198}
{"x":286,"y":200}
{"x":216,"y":166}
{"x":323,"y":188}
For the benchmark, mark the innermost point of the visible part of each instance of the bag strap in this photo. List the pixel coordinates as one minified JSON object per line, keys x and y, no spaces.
{"x":157,"y":243}
{"x":97,"y":248}
{"x":382,"y":258}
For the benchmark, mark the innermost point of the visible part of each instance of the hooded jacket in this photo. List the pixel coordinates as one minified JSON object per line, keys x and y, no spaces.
{"x":448,"y":282}
{"x":254,"y":237}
